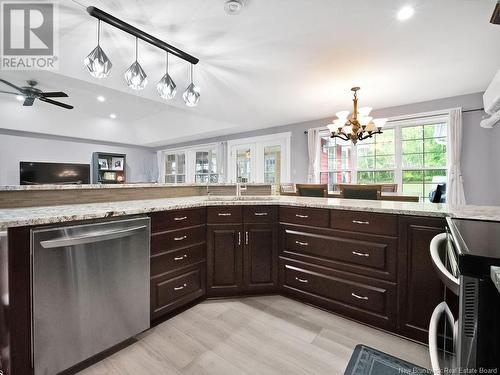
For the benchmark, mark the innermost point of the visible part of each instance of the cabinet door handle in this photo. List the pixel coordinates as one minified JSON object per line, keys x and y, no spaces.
{"x":301,"y":243}
{"x":180,"y":238}
{"x":360,"y":222}
{"x":246,"y":237}
{"x":359,"y":297}
{"x":224,"y":214}
{"x":180,"y":287}
{"x":180,"y":218}
{"x":302,"y":216}
{"x":304,"y":281}
{"x":260,"y":213}
{"x":361,"y":254}
{"x":239,"y":238}
{"x":180,"y":258}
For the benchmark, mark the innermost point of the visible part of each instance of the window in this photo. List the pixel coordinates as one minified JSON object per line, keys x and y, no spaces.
{"x":175,"y":168}
{"x":272,"y":165}
{"x":411,"y":153}
{"x":423,"y":158}
{"x":206,"y":167}
{"x":336,"y":162}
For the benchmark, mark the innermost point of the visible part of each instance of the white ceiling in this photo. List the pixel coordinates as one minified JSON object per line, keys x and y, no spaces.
{"x":277,"y":62}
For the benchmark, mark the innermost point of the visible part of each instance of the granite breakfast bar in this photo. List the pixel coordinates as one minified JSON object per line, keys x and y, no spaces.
{"x":321,"y":251}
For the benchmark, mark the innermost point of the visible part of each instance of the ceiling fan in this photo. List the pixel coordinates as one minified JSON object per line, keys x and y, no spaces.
{"x":30,"y":93}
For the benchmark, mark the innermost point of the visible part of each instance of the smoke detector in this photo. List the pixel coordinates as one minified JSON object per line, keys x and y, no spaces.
{"x":233,"y":7}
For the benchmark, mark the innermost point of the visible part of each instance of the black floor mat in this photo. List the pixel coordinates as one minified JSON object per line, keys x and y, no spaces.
{"x":369,"y":361}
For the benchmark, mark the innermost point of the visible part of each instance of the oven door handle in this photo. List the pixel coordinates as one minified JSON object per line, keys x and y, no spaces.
{"x":440,"y":309}
{"x":451,"y":281}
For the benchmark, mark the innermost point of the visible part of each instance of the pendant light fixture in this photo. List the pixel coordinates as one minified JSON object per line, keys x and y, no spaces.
{"x":135,"y":76}
{"x":166,"y":87}
{"x":192,"y":94}
{"x":358,"y":126}
{"x":97,"y":62}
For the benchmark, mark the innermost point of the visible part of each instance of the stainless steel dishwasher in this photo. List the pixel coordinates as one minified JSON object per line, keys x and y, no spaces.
{"x":90,"y":290}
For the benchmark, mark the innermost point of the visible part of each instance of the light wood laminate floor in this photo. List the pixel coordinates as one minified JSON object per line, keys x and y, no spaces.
{"x":253,"y":335}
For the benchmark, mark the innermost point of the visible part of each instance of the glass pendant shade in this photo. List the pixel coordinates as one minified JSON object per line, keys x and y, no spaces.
{"x":364,"y":120}
{"x":166,"y":87}
{"x":97,"y":62}
{"x":342,"y":115}
{"x":364,"y":111}
{"x":136,"y":77}
{"x":332,"y":128}
{"x":380,"y":122}
{"x":192,"y":94}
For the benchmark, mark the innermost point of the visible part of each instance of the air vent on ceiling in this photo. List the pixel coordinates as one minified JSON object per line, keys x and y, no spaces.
{"x":495,"y":17}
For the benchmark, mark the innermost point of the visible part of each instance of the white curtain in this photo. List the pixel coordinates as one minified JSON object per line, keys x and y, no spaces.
{"x":454,"y":186}
{"x":160,"y":157}
{"x":313,"y":144}
{"x":222,"y":161}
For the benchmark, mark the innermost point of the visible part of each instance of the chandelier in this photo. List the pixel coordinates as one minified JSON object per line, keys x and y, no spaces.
{"x":358,"y":126}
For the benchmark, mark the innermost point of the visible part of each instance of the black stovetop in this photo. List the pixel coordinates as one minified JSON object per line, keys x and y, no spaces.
{"x":478,"y":245}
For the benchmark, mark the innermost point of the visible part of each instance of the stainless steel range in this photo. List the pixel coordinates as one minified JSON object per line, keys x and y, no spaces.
{"x":466,"y":259}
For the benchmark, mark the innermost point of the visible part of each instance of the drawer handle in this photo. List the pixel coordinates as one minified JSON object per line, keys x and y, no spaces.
{"x":180,"y":258}
{"x":180,"y":287}
{"x":360,"y":222}
{"x":359,"y":297}
{"x":180,"y":238}
{"x":301,"y":280}
{"x":260,"y":214}
{"x":302,"y":216}
{"x":224,"y":213}
{"x":361,"y":254}
{"x":301,"y":243}
{"x":180,"y":218}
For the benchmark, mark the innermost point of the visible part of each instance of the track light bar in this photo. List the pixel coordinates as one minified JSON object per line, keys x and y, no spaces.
{"x":113,"y":21}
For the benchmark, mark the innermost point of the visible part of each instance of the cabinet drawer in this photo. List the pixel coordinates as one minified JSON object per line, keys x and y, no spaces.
{"x":260,"y":214}
{"x":169,"y":220}
{"x":224,"y":214}
{"x":177,"y":239}
{"x":366,"y":255}
{"x":368,"y":300}
{"x":314,"y":217}
{"x":169,"y":261}
{"x":365,"y":222}
{"x":169,"y":293}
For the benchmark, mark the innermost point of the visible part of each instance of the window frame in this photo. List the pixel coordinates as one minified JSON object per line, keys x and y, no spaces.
{"x":396,"y":123}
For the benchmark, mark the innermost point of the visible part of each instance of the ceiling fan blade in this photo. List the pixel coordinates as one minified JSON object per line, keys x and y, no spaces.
{"x":50,"y":101}
{"x":28,"y":102}
{"x":11,"y":85}
{"x":56,"y":94}
{"x":9,"y":92}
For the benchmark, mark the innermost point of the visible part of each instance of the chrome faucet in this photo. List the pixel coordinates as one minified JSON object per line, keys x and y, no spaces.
{"x":239,"y":188}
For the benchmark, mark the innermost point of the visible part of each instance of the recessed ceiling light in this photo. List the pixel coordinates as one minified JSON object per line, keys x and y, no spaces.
{"x":113,"y":116}
{"x":20,"y":98}
{"x":233,"y":7}
{"x":101,"y":98}
{"x":405,"y":13}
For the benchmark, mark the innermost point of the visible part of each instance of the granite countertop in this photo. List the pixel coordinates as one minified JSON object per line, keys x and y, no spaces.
{"x":111,"y":186}
{"x":16,"y":217}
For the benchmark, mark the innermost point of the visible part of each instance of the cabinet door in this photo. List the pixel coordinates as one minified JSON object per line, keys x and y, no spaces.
{"x":420,"y":289}
{"x":260,"y":257}
{"x":224,"y":259}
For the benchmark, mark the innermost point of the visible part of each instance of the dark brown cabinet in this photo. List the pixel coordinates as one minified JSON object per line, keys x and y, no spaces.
{"x":420,"y":290}
{"x":242,"y":250}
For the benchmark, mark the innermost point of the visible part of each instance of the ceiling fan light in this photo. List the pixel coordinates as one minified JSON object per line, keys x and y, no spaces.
{"x":98,"y":63}
{"x":166,"y":87}
{"x":364,"y":111}
{"x":192,"y":95}
{"x":136,"y":77}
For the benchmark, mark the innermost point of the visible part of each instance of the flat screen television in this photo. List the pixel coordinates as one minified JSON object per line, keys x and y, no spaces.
{"x":34,"y":173}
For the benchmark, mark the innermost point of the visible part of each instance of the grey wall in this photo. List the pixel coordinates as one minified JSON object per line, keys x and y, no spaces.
{"x":17,"y":146}
{"x":480,"y":153}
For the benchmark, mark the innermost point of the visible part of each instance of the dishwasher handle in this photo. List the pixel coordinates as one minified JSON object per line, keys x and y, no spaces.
{"x":91,"y":237}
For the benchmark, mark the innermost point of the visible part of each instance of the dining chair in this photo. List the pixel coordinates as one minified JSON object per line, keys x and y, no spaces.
{"x":312,"y":190}
{"x":370,"y":192}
